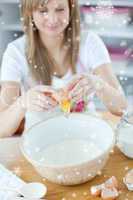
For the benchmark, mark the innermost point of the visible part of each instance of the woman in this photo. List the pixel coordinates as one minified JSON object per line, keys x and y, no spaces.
{"x":47,"y":57}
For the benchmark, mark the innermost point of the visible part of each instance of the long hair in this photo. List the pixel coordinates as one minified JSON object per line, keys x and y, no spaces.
{"x":40,"y":61}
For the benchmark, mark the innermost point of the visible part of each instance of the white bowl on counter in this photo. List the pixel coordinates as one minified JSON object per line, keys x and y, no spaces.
{"x":125,"y":138}
{"x":68,"y":150}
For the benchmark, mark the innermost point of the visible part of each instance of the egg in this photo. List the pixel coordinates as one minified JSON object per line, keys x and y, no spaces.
{"x":96,"y":190}
{"x":109,"y":193}
{"x":111,"y":183}
{"x":65,"y":105}
{"x":128,"y":180}
{"x":107,"y":190}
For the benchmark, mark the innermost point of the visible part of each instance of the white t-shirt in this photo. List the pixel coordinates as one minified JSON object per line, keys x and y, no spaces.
{"x":92,"y":54}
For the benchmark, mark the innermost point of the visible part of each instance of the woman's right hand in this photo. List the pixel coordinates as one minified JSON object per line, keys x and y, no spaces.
{"x":39,"y":98}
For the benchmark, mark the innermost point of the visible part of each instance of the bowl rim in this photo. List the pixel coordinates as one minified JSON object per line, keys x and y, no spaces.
{"x":37,"y":163}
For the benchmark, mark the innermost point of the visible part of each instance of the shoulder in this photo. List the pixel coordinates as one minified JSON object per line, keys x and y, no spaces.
{"x":14,"y":64}
{"x":92,"y":39}
{"x":16,"y":47}
{"x":93,"y":51}
{"x":92,"y":35}
{"x":92,"y":44}
{"x":89,"y":41}
{"x":19,"y":42}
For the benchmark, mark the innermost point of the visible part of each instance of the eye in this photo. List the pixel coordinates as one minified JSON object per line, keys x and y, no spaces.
{"x":43,"y":11}
{"x":60,"y":9}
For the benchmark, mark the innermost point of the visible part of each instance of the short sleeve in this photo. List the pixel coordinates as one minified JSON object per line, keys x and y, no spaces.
{"x":95,"y":53}
{"x":10,"y":68}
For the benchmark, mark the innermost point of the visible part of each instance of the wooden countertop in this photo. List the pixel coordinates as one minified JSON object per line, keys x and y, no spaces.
{"x":117,"y":165}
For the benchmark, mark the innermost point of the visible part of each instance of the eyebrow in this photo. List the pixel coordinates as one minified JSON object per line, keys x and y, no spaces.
{"x":45,"y":6}
{"x":61,"y":4}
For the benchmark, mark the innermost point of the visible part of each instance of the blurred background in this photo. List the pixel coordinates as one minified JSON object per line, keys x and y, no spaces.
{"x":112,"y":20}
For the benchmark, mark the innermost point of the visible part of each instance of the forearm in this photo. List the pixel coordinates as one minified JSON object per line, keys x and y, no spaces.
{"x":112,"y":98}
{"x":11,"y":118}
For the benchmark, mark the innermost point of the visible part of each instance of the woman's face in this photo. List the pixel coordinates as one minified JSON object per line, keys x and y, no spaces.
{"x":53,"y":18}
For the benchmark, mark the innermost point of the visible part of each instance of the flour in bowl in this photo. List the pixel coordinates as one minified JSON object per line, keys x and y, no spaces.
{"x":69,"y":152}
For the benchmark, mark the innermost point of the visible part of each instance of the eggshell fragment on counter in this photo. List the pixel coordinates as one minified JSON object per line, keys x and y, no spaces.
{"x":108,"y":190}
{"x":111,"y":183}
{"x":128,"y":180}
{"x":109,"y":193}
{"x":96,"y":190}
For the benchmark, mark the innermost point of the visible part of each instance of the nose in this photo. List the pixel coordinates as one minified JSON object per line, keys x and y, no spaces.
{"x":52,"y":19}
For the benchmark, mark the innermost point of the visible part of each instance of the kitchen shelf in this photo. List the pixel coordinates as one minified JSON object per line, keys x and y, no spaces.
{"x":120,"y":3}
{"x":126,"y":33}
{"x":123,"y":3}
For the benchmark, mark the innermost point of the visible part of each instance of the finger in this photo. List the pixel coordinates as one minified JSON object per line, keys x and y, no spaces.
{"x":79,"y":85}
{"x":45,"y":89}
{"x":51,"y":102}
{"x":53,"y":96}
{"x":44,"y":98}
{"x":62,"y":94}
{"x":82,"y":93}
{"x":36,"y":108}
{"x":44,"y":105}
{"x":45,"y":101}
{"x":84,"y":82}
{"x":77,"y":98}
{"x":77,"y":92}
{"x":88,"y":92}
{"x":73,"y":82}
{"x":41,"y":97}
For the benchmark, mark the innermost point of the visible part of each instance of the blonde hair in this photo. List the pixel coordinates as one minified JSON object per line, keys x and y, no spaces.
{"x":40,"y":62}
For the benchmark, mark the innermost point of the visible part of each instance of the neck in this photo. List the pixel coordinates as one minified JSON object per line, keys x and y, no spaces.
{"x":53,"y":44}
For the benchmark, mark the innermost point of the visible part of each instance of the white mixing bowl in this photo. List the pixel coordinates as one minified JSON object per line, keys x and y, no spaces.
{"x":68,"y":150}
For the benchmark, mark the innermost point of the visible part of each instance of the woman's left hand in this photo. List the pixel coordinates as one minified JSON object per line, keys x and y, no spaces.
{"x":80,"y":87}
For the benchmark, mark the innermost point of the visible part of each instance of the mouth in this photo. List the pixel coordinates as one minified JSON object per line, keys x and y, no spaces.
{"x":52,"y":27}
